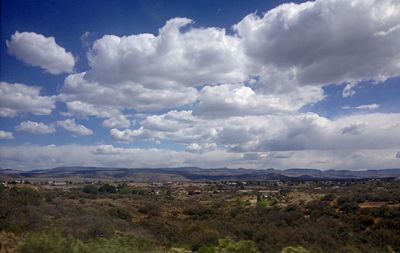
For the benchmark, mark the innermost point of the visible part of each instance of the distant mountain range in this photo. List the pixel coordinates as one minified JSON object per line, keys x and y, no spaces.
{"x":191,"y":174}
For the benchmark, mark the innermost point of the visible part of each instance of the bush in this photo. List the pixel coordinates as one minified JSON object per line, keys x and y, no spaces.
{"x":91,"y":189}
{"x":227,"y":245}
{"x":89,"y":225}
{"x":57,"y":243}
{"x":292,"y":249}
{"x":49,"y":243}
{"x":108,"y":188}
{"x":150,"y":209}
{"x":126,"y":244}
{"x":119,"y":213}
{"x":328,"y":197}
{"x":25,"y":196}
{"x":206,"y":249}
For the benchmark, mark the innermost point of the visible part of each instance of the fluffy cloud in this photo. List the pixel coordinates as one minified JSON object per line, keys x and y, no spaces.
{"x":35,"y":127}
{"x":293,"y":50}
{"x":83,"y":109}
{"x":118,"y":121}
{"x":20,"y":98}
{"x":76,"y":129}
{"x":113,"y":116}
{"x":146,"y":72}
{"x":38,"y":50}
{"x":126,"y":135}
{"x":325,"y":41}
{"x":238,"y":100}
{"x":180,"y":126}
{"x":348,"y":90}
{"x":235,"y":98}
{"x":172,"y":58}
{"x":78,"y":89}
{"x":355,"y":128}
{"x":305,"y":131}
{"x":200,"y":148}
{"x":312,"y":132}
{"x":6,"y":135}
{"x":332,"y":159}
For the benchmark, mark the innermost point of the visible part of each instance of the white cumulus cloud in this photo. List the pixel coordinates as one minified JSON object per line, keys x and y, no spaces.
{"x":265,"y":133}
{"x":173,"y":57}
{"x":118,"y":121}
{"x":35,"y":127}
{"x":38,"y":50}
{"x":20,"y":98}
{"x":4,"y":135}
{"x":355,"y":128}
{"x":76,"y":129}
{"x":325,"y":41}
{"x":238,"y":97}
{"x":126,"y":135}
{"x":78,"y":89}
{"x":238,"y":100}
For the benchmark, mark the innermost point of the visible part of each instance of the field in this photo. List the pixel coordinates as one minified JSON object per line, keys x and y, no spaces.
{"x":210,"y":216}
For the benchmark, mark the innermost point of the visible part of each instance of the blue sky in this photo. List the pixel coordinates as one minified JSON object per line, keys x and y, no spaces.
{"x":254,"y":84}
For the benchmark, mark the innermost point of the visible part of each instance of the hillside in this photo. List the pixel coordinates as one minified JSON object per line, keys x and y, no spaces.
{"x":193,"y":174}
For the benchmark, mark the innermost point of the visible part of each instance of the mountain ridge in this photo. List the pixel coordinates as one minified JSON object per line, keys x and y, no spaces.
{"x":196,"y":173}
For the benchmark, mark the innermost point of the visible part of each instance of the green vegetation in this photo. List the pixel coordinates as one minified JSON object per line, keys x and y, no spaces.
{"x":293,"y":217}
{"x":292,"y":249}
{"x":90,"y":189}
{"x":55,"y":242}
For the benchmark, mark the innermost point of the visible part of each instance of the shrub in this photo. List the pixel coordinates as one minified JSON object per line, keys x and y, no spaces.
{"x":292,"y":249}
{"x":119,"y":213}
{"x":108,"y":188}
{"x":25,"y":196}
{"x":91,"y":189}
{"x":150,"y":209}
{"x":227,"y":245}
{"x":57,"y":243}
{"x":328,"y":197}
{"x":49,"y":243}
{"x":206,"y":249}
{"x":126,"y":244}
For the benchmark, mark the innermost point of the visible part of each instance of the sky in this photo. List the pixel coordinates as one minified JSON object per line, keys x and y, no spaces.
{"x":229,"y":83}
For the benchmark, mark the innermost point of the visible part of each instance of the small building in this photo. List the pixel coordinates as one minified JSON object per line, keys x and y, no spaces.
{"x":268,"y":193}
{"x":57,"y":183}
{"x":244,"y":191}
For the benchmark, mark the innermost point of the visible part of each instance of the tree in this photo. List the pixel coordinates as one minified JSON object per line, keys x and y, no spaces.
{"x":91,"y":189}
{"x":108,"y":188}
